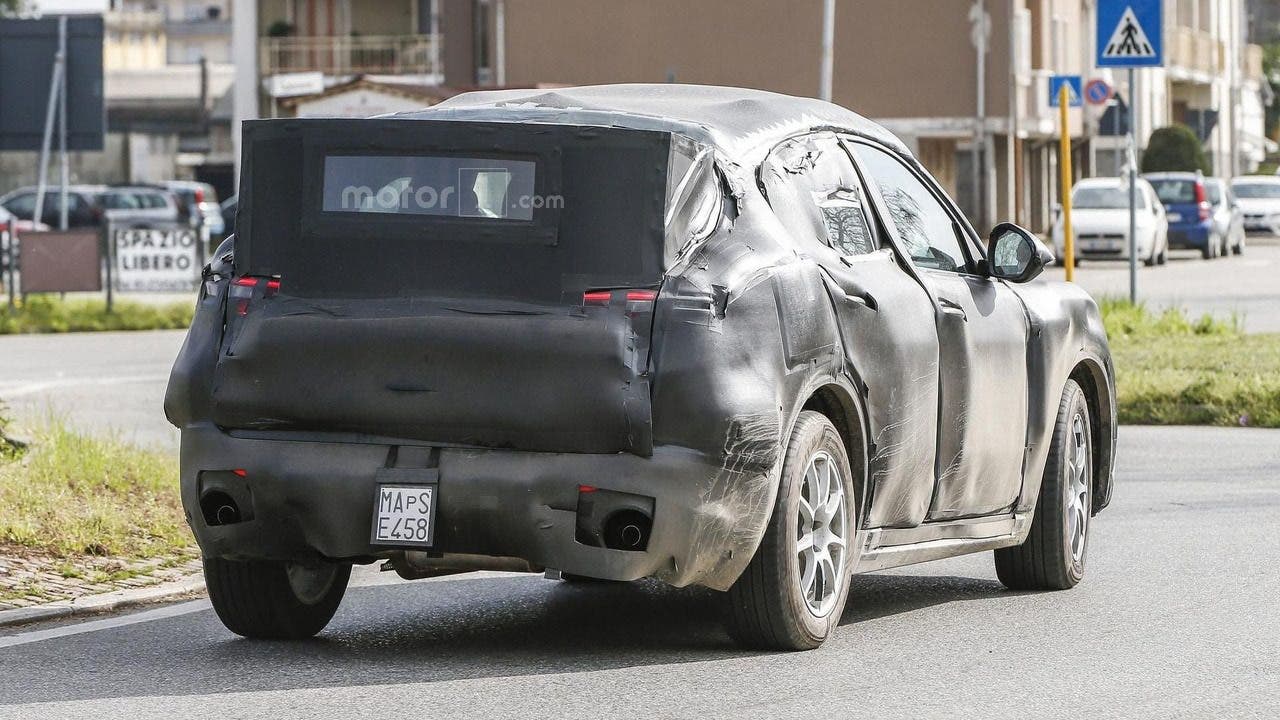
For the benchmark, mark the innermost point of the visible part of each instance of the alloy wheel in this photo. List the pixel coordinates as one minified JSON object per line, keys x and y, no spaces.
{"x":1079,"y":473}
{"x":822,"y":534}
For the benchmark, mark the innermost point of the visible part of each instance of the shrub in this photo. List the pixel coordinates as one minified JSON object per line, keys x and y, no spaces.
{"x":1175,"y":149}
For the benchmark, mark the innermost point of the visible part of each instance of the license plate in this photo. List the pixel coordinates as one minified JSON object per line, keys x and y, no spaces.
{"x":404,"y":515}
{"x":1174,"y":217}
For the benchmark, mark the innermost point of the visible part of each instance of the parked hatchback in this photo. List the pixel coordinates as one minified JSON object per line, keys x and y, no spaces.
{"x":712,"y":336}
{"x":1190,"y":214}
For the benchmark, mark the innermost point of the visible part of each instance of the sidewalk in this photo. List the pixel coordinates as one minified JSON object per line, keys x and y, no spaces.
{"x":28,"y":579}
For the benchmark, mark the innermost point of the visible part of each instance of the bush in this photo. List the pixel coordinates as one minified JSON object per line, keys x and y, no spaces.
{"x":1175,"y":149}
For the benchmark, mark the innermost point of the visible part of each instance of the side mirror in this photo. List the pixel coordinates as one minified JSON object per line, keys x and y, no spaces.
{"x":1015,"y":254}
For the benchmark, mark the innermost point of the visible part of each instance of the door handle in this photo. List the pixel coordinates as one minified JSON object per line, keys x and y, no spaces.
{"x":858,"y":296}
{"x":951,"y":307}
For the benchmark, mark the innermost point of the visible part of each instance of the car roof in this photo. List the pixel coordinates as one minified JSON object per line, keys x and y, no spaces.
{"x":743,"y":123}
{"x":1174,"y":175}
{"x":1263,"y":179}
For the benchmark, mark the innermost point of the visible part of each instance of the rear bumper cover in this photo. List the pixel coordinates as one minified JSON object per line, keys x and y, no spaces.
{"x":1190,"y":236}
{"x":314,"y":498}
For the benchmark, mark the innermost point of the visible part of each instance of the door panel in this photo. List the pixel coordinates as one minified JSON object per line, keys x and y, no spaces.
{"x":981,"y":329}
{"x":982,"y":339}
{"x":886,"y":324}
{"x":885,"y":318}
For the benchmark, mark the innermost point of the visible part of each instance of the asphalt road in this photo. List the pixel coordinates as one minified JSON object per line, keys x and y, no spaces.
{"x":1247,"y":285}
{"x":1179,"y":616}
{"x":107,"y":383}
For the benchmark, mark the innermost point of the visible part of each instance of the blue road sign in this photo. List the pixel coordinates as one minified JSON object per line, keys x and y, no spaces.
{"x":1130,"y":33}
{"x":1097,"y":91}
{"x":1074,"y":89}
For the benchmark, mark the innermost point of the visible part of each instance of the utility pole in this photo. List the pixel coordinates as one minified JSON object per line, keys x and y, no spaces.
{"x":827,"y":70}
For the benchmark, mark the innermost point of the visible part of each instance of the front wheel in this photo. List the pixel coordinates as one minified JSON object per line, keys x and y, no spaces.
{"x":275,"y":600}
{"x":1052,"y":556}
{"x":793,"y":592}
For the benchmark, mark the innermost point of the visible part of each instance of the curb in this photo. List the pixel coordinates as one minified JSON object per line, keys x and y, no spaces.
{"x":104,"y":602}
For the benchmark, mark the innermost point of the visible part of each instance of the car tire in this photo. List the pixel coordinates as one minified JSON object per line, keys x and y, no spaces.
{"x":275,"y":600}
{"x":785,"y":599}
{"x":1164,"y":256}
{"x":1053,"y":555}
{"x":1210,"y":249}
{"x":1239,"y":248}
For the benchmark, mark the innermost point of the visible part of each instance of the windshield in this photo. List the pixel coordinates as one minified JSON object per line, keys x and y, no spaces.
{"x":1265,"y":191}
{"x":1104,"y":198}
{"x":1175,"y":191}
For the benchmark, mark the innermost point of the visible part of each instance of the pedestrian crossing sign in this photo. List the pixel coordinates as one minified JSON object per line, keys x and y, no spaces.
{"x":1073,"y":83}
{"x":1130,"y":33}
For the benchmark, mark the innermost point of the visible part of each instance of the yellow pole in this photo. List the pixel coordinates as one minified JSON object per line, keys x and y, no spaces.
{"x":1064,"y":152}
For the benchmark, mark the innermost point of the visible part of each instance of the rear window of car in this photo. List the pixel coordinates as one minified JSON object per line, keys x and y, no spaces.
{"x":451,"y":186}
{"x":1256,"y":191}
{"x":1175,"y":191}
{"x":1104,"y":198}
{"x":1214,"y":191}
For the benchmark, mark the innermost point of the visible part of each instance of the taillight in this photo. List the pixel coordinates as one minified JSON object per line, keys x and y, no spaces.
{"x":1202,"y":201}
{"x":199,"y":194}
{"x":242,"y":289}
{"x":638,"y":300}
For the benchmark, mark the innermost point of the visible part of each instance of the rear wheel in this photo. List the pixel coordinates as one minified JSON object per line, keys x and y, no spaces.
{"x":1052,"y":557}
{"x":1211,"y":248}
{"x":1239,"y":248}
{"x":272,"y":600}
{"x":793,"y":592}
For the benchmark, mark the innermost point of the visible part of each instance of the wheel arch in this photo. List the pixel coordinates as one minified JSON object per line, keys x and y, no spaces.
{"x":848,"y":414}
{"x":1093,"y":379}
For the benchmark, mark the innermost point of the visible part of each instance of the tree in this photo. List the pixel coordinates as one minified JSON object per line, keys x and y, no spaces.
{"x":12,"y":7}
{"x":1175,"y":148}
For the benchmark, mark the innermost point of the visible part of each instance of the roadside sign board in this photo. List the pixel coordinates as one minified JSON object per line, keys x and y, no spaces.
{"x":1074,"y":89}
{"x":27,"y":51}
{"x":155,"y":257}
{"x":1097,"y":92}
{"x":68,"y":261}
{"x":1130,"y":33}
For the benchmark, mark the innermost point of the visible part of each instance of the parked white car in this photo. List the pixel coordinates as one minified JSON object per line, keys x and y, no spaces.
{"x":1100,"y":222}
{"x":1259,"y":198}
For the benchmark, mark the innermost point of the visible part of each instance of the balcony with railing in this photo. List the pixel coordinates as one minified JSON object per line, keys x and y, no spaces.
{"x":1195,"y":53}
{"x":351,"y":55}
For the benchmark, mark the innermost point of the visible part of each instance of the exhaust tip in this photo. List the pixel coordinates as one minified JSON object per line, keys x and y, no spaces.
{"x":219,"y":508}
{"x":627,"y":530}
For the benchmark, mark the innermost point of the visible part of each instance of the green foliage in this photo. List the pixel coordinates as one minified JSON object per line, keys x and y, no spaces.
{"x":12,"y":7}
{"x":1175,"y":148}
{"x":1173,"y":370}
{"x":77,"y":495}
{"x":48,"y":314}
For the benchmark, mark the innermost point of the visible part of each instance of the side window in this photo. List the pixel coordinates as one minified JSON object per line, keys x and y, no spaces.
{"x":24,"y":205}
{"x":924,"y":225}
{"x":815,"y":192}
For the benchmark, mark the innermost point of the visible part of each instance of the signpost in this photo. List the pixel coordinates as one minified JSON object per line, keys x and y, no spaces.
{"x":1130,"y":34}
{"x":1063,"y":101}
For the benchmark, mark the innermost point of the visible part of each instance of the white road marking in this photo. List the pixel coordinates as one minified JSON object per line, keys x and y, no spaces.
{"x":12,"y":390}
{"x":169,"y":611}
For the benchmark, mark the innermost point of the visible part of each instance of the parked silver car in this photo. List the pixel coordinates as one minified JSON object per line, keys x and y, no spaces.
{"x":1227,"y":217}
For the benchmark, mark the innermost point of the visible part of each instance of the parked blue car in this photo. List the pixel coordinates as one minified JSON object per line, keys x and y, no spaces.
{"x":1190,"y":214}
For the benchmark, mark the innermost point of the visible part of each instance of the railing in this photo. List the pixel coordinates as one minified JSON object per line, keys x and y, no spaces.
{"x":1196,"y":51}
{"x":391,"y":55}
